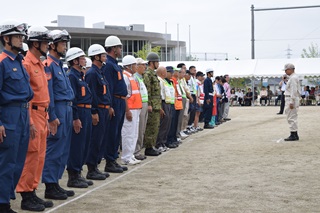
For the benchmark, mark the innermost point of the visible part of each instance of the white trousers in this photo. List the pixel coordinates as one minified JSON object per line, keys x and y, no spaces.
{"x":292,"y":115}
{"x":129,"y":134}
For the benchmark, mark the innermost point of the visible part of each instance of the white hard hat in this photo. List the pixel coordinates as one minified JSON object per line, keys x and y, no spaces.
{"x":25,"y":47}
{"x":88,"y":62}
{"x":73,"y":53}
{"x":141,"y":61}
{"x":38,"y":33}
{"x":112,"y":41}
{"x":209,"y":70}
{"x":96,"y":49}
{"x":13,"y":28}
{"x":128,"y":60}
{"x":59,"y":35}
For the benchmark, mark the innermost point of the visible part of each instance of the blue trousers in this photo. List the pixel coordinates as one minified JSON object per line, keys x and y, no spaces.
{"x":98,"y":138}
{"x":172,"y":136}
{"x":58,"y":145}
{"x":218,"y":106}
{"x":207,"y":111}
{"x":80,"y":142}
{"x":13,"y":149}
{"x":114,"y":133}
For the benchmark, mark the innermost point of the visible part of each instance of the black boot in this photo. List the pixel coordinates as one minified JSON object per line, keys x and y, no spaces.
{"x":6,"y":208}
{"x":292,"y":137}
{"x":89,"y":182}
{"x":93,"y":173}
{"x":69,"y":193}
{"x":75,"y":181}
{"x":29,"y":203}
{"x":296,"y":135}
{"x":112,"y":166}
{"x":52,"y":192}
{"x":46,"y":203}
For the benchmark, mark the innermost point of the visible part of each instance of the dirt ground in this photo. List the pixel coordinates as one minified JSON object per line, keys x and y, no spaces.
{"x":241,"y":166}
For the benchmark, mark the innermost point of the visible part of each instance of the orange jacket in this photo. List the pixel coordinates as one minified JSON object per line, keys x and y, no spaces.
{"x":178,"y":102}
{"x":135,"y":100}
{"x":38,"y":82}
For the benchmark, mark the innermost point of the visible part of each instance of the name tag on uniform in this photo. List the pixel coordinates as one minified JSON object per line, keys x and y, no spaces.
{"x":60,"y":73}
{"x":14,"y":69}
{"x":36,"y":71}
{"x":80,"y":79}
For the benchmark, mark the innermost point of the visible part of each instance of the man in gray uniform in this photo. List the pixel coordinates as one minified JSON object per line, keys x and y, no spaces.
{"x":292,"y":98}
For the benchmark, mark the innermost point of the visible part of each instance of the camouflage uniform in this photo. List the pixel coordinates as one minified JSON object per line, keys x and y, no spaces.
{"x":154,"y":92}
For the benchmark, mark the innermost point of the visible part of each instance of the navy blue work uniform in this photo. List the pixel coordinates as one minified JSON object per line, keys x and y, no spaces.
{"x":58,"y":145}
{"x":100,"y":104}
{"x":15,"y":93}
{"x":81,"y":110}
{"x":118,"y":91}
{"x":208,"y":94}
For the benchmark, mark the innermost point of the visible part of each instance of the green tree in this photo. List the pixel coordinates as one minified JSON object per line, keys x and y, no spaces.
{"x":145,"y":50}
{"x":237,"y":82}
{"x":312,"y":52}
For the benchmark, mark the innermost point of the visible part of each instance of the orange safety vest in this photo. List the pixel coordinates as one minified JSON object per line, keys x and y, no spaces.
{"x":135,"y":100}
{"x":178,"y":102}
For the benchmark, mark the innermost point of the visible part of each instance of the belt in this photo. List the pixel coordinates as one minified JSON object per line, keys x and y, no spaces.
{"x":119,"y":96}
{"x":103,"y":106}
{"x":40,"y":108}
{"x":156,"y":96}
{"x":88,"y":106}
{"x":68,"y":103}
{"x":17,"y":104}
{"x":288,"y":96}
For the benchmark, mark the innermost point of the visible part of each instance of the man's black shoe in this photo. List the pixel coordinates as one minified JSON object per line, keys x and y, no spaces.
{"x":30,"y":204}
{"x":52,"y":192}
{"x":94,"y":173}
{"x":69,"y":193}
{"x":89,"y":182}
{"x":6,"y":208}
{"x":208,"y":126}
{"x":227,"y":119}
{"x":293,"y":137}
{"x":46,"y":203}
{"x":151,"y":152}
{"x":171,"y":145}
{"x":112,"y":167}
{"x":75,"y":181}
{"x":124,"y":168}
{"x":279,"y":113}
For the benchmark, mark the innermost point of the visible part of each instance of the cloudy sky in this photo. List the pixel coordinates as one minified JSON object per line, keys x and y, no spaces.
{"x":216,"y":26}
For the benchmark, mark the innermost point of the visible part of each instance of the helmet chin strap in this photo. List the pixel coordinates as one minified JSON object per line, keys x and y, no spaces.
{"x":39,"y":49}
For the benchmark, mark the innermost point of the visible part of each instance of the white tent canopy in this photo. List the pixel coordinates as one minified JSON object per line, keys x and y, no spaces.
{"x":267,"y":68}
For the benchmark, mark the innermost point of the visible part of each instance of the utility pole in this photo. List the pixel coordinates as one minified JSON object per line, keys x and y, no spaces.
{"x":265,"y":9}
{"x":289,"y":52}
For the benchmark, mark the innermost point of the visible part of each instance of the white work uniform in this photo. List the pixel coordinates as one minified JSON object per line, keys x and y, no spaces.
{"x":292,"y":95}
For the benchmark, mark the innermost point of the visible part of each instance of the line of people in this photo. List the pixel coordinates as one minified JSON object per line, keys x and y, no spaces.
{"x":52,"y":120}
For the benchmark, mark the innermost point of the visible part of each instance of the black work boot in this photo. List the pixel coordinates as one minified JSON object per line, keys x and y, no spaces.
{"x":46,"y":203}
{"x":29,"y":203}
{"x":75,"y":181}
{"x":52,"y":192}
{"x":69,"y":193}
{"x":296,"y":135}
{"x":93,"y":174}
{"x":292,"y":137}
{"x":113,"y":167}
{"x":6,"y":208}
{"x":89,"y":182}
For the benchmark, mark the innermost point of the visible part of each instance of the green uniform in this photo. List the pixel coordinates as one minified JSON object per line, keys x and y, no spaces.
{"x":154,"y":92}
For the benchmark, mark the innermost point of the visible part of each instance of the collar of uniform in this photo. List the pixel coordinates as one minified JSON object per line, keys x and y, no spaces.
{"x":76,"y":72}
{"x":111,"y":59}
{"x":95,"y":67}
{"x":55,"y":60}
{"x":33,"y":58}
{"x":11,"y":55}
